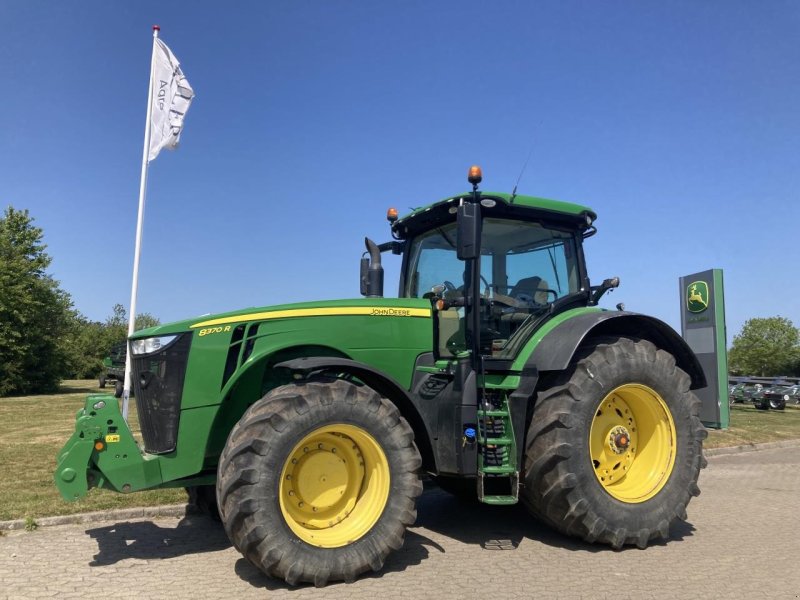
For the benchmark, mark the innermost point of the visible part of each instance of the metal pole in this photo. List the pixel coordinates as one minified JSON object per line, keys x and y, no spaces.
{"x":126,"y":390}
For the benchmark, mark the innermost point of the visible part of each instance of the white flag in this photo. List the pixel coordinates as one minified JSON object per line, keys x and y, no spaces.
{"x":171,"y":97}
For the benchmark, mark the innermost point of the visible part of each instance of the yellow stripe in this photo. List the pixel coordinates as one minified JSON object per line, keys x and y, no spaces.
{"x":376,"y":311}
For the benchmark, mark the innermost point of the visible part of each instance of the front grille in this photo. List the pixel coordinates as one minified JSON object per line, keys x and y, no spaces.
{"x":158,"y":386}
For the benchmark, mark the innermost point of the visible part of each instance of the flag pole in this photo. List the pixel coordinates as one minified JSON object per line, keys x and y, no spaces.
{"x":126,"y":390}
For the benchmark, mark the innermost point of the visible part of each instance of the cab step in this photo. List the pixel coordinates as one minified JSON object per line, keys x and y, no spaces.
{"x":497,"y":453}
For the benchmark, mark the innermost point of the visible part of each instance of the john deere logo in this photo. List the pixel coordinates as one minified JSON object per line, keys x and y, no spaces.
{"x":697,"y":296}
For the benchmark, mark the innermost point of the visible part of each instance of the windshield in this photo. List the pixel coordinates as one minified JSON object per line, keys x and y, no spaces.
{"x":525,"y":267}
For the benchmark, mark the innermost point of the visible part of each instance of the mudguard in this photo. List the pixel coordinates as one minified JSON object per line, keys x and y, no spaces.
{"x":555,"y":351}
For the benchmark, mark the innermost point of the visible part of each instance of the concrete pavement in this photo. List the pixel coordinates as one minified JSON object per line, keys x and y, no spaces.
{"x":742,"y":541}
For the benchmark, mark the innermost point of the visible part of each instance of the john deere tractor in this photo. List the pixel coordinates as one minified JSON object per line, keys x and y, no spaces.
{"x":309,"y":426}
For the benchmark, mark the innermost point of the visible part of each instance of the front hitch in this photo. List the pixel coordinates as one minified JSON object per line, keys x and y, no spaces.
{"x":103,"y":453}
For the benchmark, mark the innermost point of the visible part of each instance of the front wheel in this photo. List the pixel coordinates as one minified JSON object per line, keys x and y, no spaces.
{"x":614,"y":448}
{"x":318,"y":481}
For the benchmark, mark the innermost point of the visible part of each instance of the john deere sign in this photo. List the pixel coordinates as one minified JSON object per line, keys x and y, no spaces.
{"x":697,"y":296}
{"x":703,"y":328}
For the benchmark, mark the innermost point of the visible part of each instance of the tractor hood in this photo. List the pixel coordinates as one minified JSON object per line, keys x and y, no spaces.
{"x":384,"y":307}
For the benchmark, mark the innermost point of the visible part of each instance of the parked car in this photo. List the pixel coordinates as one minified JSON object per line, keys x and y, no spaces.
{"x":777,"y":396}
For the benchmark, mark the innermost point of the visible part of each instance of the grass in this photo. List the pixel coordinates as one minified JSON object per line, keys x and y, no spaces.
{"x":34,"y":428}
{"x":752,"y":426}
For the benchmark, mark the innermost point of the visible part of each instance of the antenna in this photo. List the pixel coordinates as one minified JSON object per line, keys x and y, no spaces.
{"x":525,"y":166}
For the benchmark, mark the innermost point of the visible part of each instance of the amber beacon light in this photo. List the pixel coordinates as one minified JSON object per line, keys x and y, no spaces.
{"x":475,"y":175}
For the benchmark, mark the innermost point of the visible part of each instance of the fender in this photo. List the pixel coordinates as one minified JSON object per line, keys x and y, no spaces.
{"x":555,"y":351}
{"x":382,"y":383}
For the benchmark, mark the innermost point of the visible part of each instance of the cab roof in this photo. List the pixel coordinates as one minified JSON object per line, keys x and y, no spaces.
{"x":517,"y":206}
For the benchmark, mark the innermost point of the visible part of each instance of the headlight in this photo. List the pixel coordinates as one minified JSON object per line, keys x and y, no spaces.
{"x":153,"y":344}
{"x":786,"y":397}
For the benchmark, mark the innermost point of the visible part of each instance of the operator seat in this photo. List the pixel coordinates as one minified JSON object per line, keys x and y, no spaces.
{"x":534,"y":288}
{"x":530,"y":295}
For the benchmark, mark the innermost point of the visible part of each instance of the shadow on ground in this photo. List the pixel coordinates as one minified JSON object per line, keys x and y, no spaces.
{"x":145,"y":540}
{"x":493,"y":528}
{"x":85,"y":389}
{"x":504,"y":527}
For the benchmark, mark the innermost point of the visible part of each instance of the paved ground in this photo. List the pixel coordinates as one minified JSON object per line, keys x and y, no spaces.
{"x":742,"y":541}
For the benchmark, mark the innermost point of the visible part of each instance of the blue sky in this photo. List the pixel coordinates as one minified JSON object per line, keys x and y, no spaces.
{"x":678,"y":122}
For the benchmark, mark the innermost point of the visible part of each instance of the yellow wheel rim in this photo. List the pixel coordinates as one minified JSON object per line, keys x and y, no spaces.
{"x":334,"y":486}
{"x":632,"y":443}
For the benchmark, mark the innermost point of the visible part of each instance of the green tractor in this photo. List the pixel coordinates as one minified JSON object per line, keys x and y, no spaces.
{"x":114,"y":368}
{"x":309,"y":426}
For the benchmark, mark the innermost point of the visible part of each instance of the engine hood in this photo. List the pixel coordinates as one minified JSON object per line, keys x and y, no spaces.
{"x":400,"y":307}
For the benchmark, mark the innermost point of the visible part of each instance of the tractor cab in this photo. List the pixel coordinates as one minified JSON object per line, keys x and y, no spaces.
{"x":495,"y":267}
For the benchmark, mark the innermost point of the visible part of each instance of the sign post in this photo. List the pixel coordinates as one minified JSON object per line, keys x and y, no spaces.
{"x":703,"y":328}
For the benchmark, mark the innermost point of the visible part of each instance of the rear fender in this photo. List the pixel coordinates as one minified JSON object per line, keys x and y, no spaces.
{"x":555,"y":351}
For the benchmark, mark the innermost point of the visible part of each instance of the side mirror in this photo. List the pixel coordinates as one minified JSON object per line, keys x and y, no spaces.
{"x":468,"y":238}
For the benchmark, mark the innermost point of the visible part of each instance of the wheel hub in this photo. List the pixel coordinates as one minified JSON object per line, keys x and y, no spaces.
{"x":619,"y":440}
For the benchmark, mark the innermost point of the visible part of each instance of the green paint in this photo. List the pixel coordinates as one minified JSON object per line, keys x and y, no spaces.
{"x":722,"y":353}
{"x":119,"y":466}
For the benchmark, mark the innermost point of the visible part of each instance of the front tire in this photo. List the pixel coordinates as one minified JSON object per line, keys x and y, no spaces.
{"x":101,"y":381}
{"x":318,"y":481}
{"x":118,"y":389}
{"x":614,"y":447}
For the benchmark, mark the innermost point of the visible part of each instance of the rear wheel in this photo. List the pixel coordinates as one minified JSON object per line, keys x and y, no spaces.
{"x":614,"y":447}
{"x":318,"y":481}
{"x":777,"y":403}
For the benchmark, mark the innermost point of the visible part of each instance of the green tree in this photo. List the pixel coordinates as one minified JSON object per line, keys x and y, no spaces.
{"x":88,"y":342}
{"x":34,"y":311}
{"x":766,"y":347}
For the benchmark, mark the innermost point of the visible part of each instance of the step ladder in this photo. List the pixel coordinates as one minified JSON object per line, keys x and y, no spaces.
{"x":497,"y":452}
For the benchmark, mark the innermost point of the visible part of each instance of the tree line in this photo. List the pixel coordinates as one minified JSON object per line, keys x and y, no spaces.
{"x":43,"y":338}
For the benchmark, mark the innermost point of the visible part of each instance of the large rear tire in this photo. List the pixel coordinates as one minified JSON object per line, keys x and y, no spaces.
{"x":318,"y":481}
{"x":614,"y":447}
{"x":777,"y":403}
